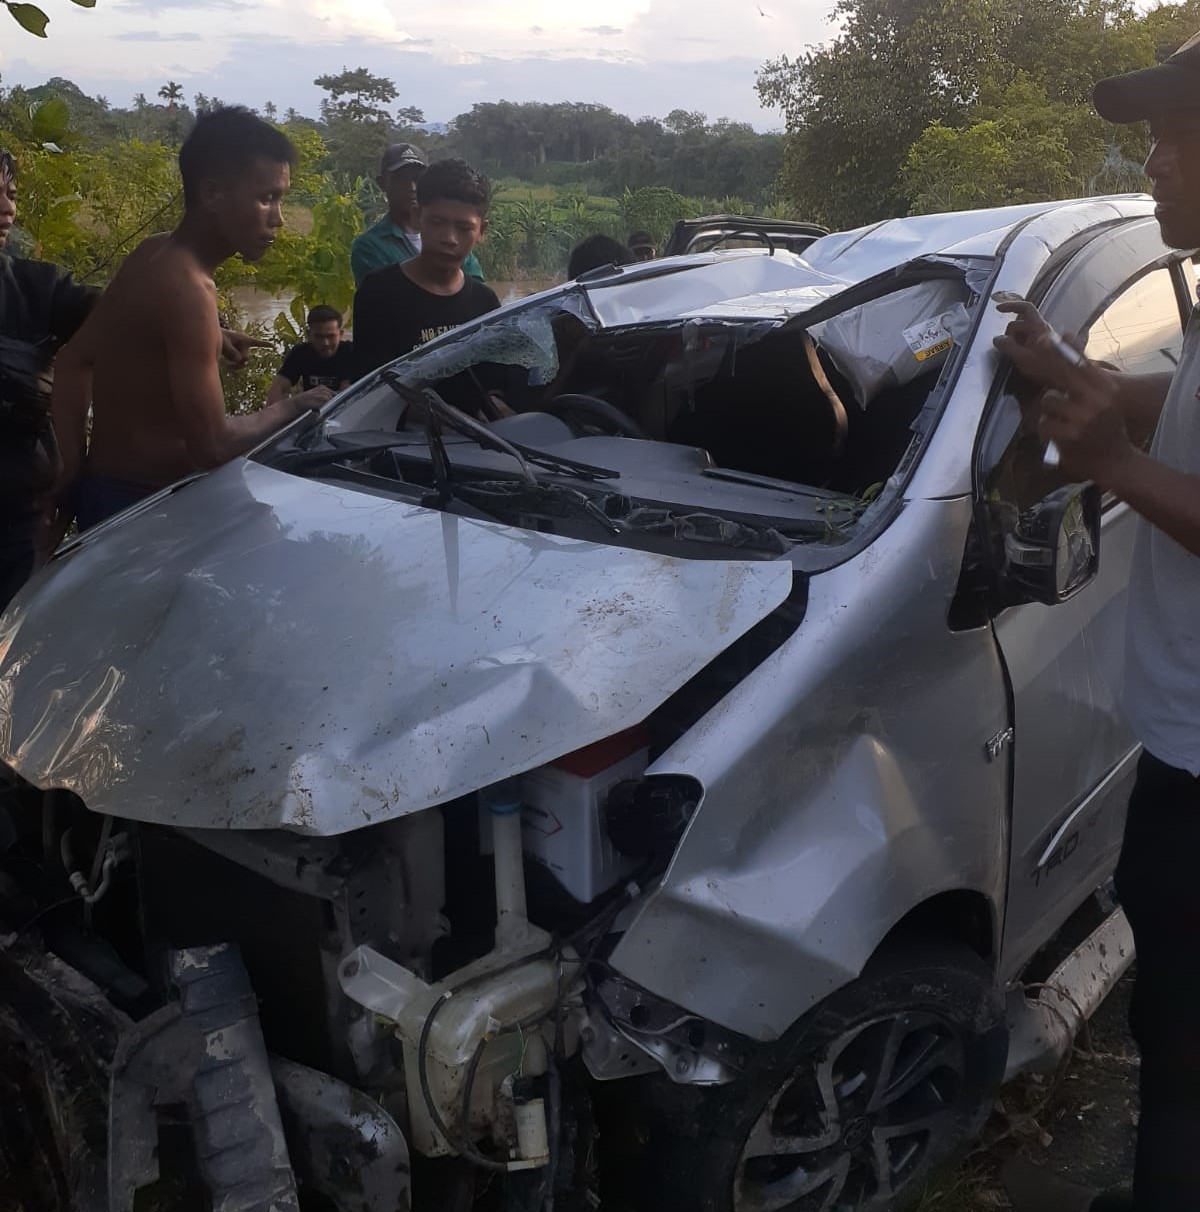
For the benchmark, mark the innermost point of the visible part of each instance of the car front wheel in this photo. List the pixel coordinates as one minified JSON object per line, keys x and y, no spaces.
{"x":849,"y":1112}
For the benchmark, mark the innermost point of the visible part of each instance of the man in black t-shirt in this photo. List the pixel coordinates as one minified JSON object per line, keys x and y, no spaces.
{"x":404,"y":306}
{"x":324,"y":360}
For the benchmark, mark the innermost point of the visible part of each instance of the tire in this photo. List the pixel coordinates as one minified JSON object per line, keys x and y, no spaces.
{"x":850,"y":1111}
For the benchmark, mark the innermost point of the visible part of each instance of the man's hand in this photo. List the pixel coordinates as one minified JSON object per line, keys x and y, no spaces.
{"x":1088,"y":427}
{"x":1031,"y":344}
{"x":1081,"y":410}
{"x":1028,"y":324}
{"x":236,"y":347}
{"x":312,"y":400}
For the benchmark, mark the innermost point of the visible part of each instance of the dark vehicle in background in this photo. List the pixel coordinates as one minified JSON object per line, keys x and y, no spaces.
{"x":740,"y":231}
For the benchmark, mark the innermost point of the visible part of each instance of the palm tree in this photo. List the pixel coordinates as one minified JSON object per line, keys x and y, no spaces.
{"x":140,"y":102}
{"x":270,"y":111}
{"x":171,"y":93}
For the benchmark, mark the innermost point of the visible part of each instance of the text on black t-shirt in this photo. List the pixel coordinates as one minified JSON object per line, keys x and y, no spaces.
{"x":393,"y":315}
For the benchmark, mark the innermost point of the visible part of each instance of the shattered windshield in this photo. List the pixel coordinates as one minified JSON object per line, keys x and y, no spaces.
{"x":709,"y":433}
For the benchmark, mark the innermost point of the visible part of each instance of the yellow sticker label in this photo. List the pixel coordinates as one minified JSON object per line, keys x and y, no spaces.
{"x":928,"y":339}
{"x":932,"y":352}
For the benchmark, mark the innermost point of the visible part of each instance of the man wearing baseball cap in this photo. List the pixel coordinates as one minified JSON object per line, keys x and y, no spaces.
{"x":1100,"y":420}
{"x":396,"y":238}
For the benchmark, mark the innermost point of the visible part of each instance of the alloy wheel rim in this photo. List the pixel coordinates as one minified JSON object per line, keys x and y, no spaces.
{"x":850,"y":1133}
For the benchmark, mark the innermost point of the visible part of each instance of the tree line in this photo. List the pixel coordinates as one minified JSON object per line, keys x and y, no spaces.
{"x":564,"y":143}
{"x":919,"y":106}
{"x":96,"y":178}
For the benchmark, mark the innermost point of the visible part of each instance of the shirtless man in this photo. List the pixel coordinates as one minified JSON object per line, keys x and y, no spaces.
{"x":147,"y":355}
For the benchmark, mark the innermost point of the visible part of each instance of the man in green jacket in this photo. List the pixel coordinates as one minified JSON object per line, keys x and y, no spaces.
{"x":396,"y":237}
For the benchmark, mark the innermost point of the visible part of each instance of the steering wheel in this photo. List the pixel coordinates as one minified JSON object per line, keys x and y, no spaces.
{"x":737,"y":233}
{"x":583,"y":413}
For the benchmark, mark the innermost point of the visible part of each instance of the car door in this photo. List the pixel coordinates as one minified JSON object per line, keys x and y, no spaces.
{"x":1073,"y":756}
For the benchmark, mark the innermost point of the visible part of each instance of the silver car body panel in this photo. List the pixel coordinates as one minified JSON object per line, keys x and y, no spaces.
{"x":827,"y":813}
{"x":845,"y":780}
{"x":854,"y":774}
{"x":945,"y":468}
{"x":321,"y":660}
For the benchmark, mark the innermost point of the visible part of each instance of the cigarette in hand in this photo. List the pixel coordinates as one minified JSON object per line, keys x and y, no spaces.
{"x":1072,"y":356}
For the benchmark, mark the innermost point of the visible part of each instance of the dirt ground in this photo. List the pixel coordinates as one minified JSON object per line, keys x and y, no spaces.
{"x":1080,"y":1123}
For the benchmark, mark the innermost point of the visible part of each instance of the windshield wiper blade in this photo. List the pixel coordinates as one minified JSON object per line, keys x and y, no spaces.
{"x":339,"y":447}
{"x":509,"y":495}
{"x":437,"y":409}
{"x":490,"y":440}
{"x":561,"y":465}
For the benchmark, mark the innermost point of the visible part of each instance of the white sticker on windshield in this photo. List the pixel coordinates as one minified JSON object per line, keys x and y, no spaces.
{"x":928,"y":339}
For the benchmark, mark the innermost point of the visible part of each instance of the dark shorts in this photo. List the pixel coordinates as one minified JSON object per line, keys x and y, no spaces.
{"x":99,"y":497}
{"x":17,"y":551}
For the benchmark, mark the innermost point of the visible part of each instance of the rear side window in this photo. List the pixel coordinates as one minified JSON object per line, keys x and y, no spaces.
{"x":1139,"y":332}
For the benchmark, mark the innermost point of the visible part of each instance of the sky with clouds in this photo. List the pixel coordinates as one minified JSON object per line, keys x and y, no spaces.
{"x":638,"y":56}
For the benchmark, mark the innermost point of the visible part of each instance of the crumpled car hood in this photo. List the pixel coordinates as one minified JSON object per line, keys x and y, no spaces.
{"x":257,"y":651}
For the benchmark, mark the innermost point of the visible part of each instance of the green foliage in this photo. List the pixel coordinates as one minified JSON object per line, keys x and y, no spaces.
{"x":358,"y":123}
{"x":129,"y":191}
{"x":949,"y":103}
{"x":246,"y":388}
{"x":561,"y":143}
{"x":29,"y":17}
{"x":1023,"y":147}
{"x":42,"y":141}
{"x":654,"y":209}
{"x":356,"y":96}
{"x":315,"y":265}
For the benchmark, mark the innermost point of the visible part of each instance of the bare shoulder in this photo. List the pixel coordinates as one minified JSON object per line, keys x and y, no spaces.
{"x":163,"y":282}
{"x":169,"y":269}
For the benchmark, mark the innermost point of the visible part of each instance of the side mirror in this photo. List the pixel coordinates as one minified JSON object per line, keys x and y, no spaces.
{"x":1054,"y":550}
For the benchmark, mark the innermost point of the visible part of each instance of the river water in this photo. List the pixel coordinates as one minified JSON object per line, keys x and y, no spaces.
{"x":257,"y":305}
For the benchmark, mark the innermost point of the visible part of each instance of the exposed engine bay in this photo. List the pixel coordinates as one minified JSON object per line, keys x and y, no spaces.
{"x":450,"y":965}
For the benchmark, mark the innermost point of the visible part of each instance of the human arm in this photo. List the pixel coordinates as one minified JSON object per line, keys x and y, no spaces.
{"x":71,"y":305}
{"x":192,"y":341}
{"x":71,"y":395}
{"x":286,"y":377}
{"x":1087,"y":412}
{"x":1139,"y":398}
{"x":70,"y":399}
{"x":281,"y":388}
{"x":236,"y":347}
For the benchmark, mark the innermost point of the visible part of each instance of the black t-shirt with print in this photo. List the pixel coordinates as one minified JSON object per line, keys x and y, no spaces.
{"x":393,"y":315}
{"x":305,"y":366}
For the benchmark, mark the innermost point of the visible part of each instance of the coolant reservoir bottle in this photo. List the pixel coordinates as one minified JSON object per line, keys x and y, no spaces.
{"x":503,"y":803}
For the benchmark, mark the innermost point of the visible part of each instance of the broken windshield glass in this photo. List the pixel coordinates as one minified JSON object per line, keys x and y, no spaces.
{"x":526,"y":340}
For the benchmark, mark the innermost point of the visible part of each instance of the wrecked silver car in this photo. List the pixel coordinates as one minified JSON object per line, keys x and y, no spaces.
{"x":657,"y":798}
